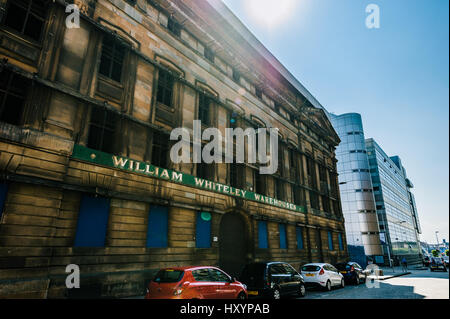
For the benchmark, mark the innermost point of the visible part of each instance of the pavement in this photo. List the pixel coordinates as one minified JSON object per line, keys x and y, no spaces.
{"x":416,"y":283}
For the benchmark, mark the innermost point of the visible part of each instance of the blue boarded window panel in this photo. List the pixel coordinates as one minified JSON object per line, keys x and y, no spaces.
{"x":300,"y":238}
{"x":158,"y":223}
{"x":262,"y":235}
{"x":341,"y":243}
{"x":283,"y":240}
{"x":3,"y":192}
{"x":330,"y":241}
{"x":92,"y":222}
{"x":203,"y":230}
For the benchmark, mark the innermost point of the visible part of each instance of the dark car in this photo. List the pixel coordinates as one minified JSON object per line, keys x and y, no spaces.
{"x":272,"y":280}
{"x":426,"y":261}
{"x":445,"y":258}
{"x":352,"y":272}
{"x":437,"y":263}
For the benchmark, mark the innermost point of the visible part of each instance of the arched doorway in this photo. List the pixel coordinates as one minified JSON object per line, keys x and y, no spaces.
{"x":233,"y":243}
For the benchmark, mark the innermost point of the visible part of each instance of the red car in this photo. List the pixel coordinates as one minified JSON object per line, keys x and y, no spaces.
{"x":195,"y":283}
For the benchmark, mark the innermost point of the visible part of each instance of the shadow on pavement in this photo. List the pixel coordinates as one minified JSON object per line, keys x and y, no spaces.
{"x":379,"y":290}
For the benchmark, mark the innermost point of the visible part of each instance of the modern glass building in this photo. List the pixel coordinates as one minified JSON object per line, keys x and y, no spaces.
{"x":358,"y":203}
{"x":395,"y":205}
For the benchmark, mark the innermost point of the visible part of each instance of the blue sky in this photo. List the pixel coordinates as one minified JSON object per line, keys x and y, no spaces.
{"x":396,"y":77}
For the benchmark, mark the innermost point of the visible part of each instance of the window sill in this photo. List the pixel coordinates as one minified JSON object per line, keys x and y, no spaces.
{"x":20,"y":37}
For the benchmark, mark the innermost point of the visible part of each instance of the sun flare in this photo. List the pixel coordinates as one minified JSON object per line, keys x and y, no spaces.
{"x":270,"y":13}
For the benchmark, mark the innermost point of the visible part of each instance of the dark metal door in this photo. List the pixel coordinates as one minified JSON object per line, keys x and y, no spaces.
{"x":233,"y":244}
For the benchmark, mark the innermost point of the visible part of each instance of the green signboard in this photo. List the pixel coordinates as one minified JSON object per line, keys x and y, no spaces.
{"x":119,"y":162}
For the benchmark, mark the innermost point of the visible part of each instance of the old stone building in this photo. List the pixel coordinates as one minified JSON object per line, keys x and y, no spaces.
{"x":85,"y":174}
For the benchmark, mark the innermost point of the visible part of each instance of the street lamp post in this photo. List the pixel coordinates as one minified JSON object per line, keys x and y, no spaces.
{"x":437,"y":239}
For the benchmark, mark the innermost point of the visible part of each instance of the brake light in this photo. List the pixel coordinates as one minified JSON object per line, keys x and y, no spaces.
{"x":321,"y":272}
{"x":353,"y":268}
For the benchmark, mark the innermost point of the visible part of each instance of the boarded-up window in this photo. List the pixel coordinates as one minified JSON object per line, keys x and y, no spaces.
{"x":157,"y":227}
{"x":330,"y":241}
{"x":13,"y":90}
{"x":27,"y":17}
{"x":283,"y":236}
{"x":341,"y":242}
{"x":299,"y":233}
{"x":203,"y":230}
{"x":262,"y":235}
{"x":92,"y":222}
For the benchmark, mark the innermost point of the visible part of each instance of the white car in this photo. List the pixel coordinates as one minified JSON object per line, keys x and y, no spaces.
{"x":322,"y":275}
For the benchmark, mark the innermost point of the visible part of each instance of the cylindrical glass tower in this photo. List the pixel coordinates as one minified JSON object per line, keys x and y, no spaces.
{"x":355,"y":184}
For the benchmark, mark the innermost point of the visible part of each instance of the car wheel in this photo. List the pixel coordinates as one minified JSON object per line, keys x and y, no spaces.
{"x":242,"y":296}
{"x":302,"y":291}
{"x":276,"y":294}
{"x":328,"y":286}
{"x":343,"y":282}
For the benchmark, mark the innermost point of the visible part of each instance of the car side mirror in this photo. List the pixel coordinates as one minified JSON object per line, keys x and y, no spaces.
{"x":233,"y":279}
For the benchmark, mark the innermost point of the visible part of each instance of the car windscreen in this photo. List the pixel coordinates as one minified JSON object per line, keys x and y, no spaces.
{"x":311,"y":268}
{"x":168,"y":276}
{"x":253,"y":275}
